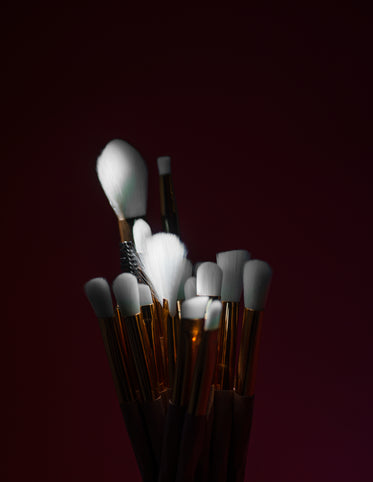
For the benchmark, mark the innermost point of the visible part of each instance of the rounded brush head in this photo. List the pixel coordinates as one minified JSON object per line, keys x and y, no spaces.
{"x":126,"y":292}
{"x":213,"y":315}
{"x":190,"y":289}
{"x":231,"y":263}
{"x":188,"y":268}
{"x":98,"y":294}
{"x":140,"y":231}
{"x":164,"y":260}
{"x":196,"y":266}
{"x":209,"y":278}
{"x":123,"y":175}
{"x":194,"y":308}
{"x":256,"y":279}
{"x":164,"y":165}
{"x":145,"y":295}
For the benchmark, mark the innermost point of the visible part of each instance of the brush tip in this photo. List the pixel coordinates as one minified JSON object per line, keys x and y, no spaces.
{"x":209,"y":279}
{"x":140,"y":231}
{"x":194,"y":308}
{"x":190,"y":290}
{"x":257,"y":275}
{"x":187,"y":273}
{"x":231,"y":263}
{"x":98,"y":294}
{"x":126,"y":292}
{"x":145,"y":295}
{"x":164,"y":165}
{"x":213,"y":315}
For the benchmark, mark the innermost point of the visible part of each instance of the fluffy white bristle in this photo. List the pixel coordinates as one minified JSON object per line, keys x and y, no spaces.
{"x":141,"y":230}
{"x":145,"y":295}
{"x":256,"y":279}
{"x":164,"y":165}
{"x":126,"y":292}
{"x":213,"y":315}
{"x":190,"y":289}
{"x":209,"y":278}
{"x":194,"y":308}
{"x":124,"y":178}
{"x":231,"y":263}
{"x":164,"y":260}
{"x":98,"y":294}
{"x":188,"y":268}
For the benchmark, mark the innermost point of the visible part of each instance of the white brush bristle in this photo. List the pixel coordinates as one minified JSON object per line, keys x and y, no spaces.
{"x":188,"y":268}
{"x":231,"y":263}
{"x":209,"y":278}
{"x":164,"y":165}
{"x":98,"y":294}
{"x":194,"y":308}
{"x":124,"y":178}
{"x":256,"y":279}
{"x":213,"y":315}
{"x":196,"y":266}
{"x":190,"y":289}
{"x":145,"y":295}
{"x":126,"y":292}
{"x":163,"y":260}
{"x":141,"y":230}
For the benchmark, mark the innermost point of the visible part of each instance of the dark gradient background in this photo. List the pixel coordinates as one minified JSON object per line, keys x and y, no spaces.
{"x":266,"y":119}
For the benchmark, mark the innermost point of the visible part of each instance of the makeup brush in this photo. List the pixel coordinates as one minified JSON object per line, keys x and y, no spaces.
{"x":209,"y":278}
{"x":231,"y":263}
{"x":126,"y":292}
{"x":98,"y":294}
{"x":190,"y":288}
{"x":141,"y":231}
{"x":170,"y":221}
{"x":123,"y":175}
{"x":187,"y":273}
{"x":256,"y":279}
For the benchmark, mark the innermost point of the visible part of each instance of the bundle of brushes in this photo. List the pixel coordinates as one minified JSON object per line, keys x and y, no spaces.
{"x":184,"y":378}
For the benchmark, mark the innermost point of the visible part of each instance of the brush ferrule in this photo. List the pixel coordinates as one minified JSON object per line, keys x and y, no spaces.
{"x":203,"y":374}
{"x":227,"y":340}
{"x":189,"y":340}
{"x":249,"y":350}
{"x":170,"y":221}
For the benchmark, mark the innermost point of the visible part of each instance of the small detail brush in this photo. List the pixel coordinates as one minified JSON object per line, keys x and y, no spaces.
{"x":231,"y":263}
{"x":209,"y":278}
{"x":123,"y":175}
{"x":256,"y":279}
{"x":170,"y":220}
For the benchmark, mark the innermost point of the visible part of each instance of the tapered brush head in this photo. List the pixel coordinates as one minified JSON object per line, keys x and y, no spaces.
{"x":164,"y":165}
{"x":145,"y":295}
{"x":123,"y":175}
{"x":194,"y":308}
{"x":209,"y":277}
{"x":256,"y":280}
{"x":190,"y":289}
{"x":164,"y":259}
{"x":213,"y":315}
{"x":126,"y":292}
{"x":141,"y":230}
{"x":187,"y":272}
{"x":98,"y":294}
{"x":232,"y":263}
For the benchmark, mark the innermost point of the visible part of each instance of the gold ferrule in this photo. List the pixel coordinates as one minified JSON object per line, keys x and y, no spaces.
{"x":189,"y":340}
{"x":249,"y":350}
{"x":171,"y":338}
{"x":118,"y":367}
{"x":178,"y":307}
{"x":125,"y":231}
{"x":203,"y":374}
{"x":136,"y":342}
{"x":227,"y":341}
{"x":123,"y":340}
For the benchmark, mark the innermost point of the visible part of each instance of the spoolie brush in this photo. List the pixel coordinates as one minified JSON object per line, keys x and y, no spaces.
{"x":170,"y":220}
{"x":123,"y":175}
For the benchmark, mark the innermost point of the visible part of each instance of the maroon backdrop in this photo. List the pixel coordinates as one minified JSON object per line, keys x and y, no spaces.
{"x":266,"y":120}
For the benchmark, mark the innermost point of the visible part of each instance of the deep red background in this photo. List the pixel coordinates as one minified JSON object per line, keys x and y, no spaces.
{"x":266,"y":119}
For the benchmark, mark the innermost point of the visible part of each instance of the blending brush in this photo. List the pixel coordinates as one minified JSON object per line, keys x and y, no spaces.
{"x":190,"y":288}
{"x":208,"y":280}
{"x":123,"y":175}
{"x":126,"y":292}
{"x":170,"y":220}
{"x":164,"y":260}
{"x":231,"y":263}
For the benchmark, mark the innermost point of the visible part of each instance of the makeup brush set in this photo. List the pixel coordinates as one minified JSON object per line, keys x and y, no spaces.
{"x":182,"y":363}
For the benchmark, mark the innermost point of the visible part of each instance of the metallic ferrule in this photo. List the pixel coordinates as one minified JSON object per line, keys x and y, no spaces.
{"x":227,"y":340}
